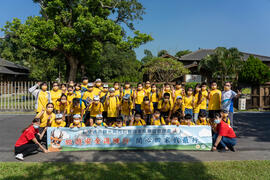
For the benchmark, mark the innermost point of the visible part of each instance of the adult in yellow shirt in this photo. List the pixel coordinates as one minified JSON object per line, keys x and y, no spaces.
{"x":55,"y":93}
{"x":203,"y":107}
{"x":58,"y":122}
{"x":112,"y":106}
{"x":139,"y":94}
{"x":214,"y":100}
{"x":95,"y":108}
{"x":42,"y":96}
{"x":156,"y":119}
{"x":137,"y":121}
{"x":166,"y":106}
{"x":147,"y":109}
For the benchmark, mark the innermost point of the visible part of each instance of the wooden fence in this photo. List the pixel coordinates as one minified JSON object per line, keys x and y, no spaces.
{"x":260,"y":97}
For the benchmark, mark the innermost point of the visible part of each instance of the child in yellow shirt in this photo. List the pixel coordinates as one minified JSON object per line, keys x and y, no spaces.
{"x":95,"y":109}
{"x":58,"y":122}
{"x":112,"y":106}
{"x":147,"y":109}
{"x":89,"y":94}
{"x":98,"y":87}
{"x":154,"y":96}
{"x":64,"y":89}
{"x":116,"y":87}
{"x":137,"y":121}
{"x":127,"y":90}
{"x":103,"y":96}
{"x":84,"y":84}
{"x":62,"y":106}
{"x":55,"y":93}
{"x":202,"y":119}
{"x":77,"y":91}
{"x":156,"y":119}
{"x":188,"y":102}
{"x":178,"y":107}
{"x":70,"y":94}
{"x":138,"y":97}
{"x":99,"y":121}
{"x":188,"y":120}
{"x":147,"y":88}
{"x":119,"y":123}
{"x":203,"y":106}
{"x":178,"y":90}
{"x":167,"y":89}
{"x":77,"y":122}
{"x":174,"y":121}
{"x":214,"y":97}
{"x":77,"y":107}
{"x":197,"y":102}
{"x":126,"y":108}
{"x":165,"y":106}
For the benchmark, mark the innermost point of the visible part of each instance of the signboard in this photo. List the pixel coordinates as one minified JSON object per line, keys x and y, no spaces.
{"x":130,"y":137}
{"x":193,"y":78}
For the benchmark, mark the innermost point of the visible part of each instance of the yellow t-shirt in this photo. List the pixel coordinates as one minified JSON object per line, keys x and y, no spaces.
{"x":188,"y":102}
{"x":78,"y":94}
{"x":177,"y":93}
{"x":62,"y":107}
{"x":83,"y":86}
{"x":153,"y":97}
{"x":115,"y":125}
{"x":55,"y":95}
{"x":117,"y":92}
{"x":147,"y":91}
{"x":77,"y":109}
{"x":196,"y":105}
{"x":88,"y":94}
{"x":126,"y":108}
{"x":158,"y":122}
{"x":177,"y":107}
{"x":177,"y":124}
{"x":170,"y":92}
{"x":62,"y":124}
{"x":112,"y":107}
{"x":127,"y":91}
{"x":95,"y":109}
{"x":141,"y":122}
{"x":165,"y":107}
{"x":82,"y":124}
{"x":70,"y":98}
{"x":214,"y":100}
{"x":204,"y":100}
{"x":191,"y":123}
{"x":42,"y":100}
{"x":96,"y":91}
{"x":148,"y":109}
{"x":203,"y":122}
{"x":44,"y":118}
{"x":139,"y":96}
{"x":65,"y":93}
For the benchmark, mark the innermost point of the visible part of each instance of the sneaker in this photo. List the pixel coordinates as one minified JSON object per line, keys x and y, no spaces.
{"x":19,"y":157}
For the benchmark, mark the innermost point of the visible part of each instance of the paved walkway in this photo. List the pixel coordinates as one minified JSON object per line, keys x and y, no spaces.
{"x":252,"y":130}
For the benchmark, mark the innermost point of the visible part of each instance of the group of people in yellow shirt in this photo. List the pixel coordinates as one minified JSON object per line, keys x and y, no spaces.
{"x":95,"y":104}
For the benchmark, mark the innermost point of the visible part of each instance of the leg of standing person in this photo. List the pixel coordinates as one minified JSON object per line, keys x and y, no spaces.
{"x":231,"y":118}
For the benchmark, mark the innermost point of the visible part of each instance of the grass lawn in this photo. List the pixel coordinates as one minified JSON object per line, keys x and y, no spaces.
{"x":146,"y":170}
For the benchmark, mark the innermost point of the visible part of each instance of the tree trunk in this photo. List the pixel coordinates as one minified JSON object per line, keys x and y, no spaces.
{"x":73,"y":64}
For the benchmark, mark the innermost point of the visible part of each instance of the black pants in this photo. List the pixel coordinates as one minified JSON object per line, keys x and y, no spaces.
{"x":26,"y":149}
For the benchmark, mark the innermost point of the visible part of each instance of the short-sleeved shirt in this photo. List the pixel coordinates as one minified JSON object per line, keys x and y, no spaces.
{"x":26,"y":136}
{"x":62,"y":124}
{"x":226,"y":99}
{"x":45,"y":117}
{"x":224,"y":129}
{"x":158,"y":122}
{"x":42,"y":100}
{"x":95,"y":109}
{"x":126,"y":108}
{"x":165,"y":107}
{"x":112,"y":107}
{"x":214,"y":100}
{"x":141,"y":122}
{"x":148,"y":109}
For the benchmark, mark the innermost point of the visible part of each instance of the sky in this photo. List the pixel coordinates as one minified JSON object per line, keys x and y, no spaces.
{"x":187,"y":24}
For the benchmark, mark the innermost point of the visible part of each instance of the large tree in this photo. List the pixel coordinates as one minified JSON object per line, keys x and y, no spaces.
{"x":223,"y":65}
{"x":78,"y":29}
{"x":164,"y":69}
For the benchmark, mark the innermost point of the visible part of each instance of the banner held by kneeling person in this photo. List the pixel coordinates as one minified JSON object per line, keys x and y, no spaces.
{"x":130,"y":137}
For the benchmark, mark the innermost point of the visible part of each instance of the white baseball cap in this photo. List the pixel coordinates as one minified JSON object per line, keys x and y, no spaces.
{"x":99,"y":116}
{"x":112,"y":89}
{"x":96,"y":98}
{"x":105,"y":85}
{"x":90,"y":84}
{"x":76,"y":116}
{"x":58,"y":116}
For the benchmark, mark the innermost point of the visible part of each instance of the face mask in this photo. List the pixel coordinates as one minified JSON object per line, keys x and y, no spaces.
{"x":50,"y":110}
{"x":35,"y":126}
{"x":154,"y":89}
{"x":85,"y":81}
{"x":116,"y":87}
{"x":63,"y":101}
{"x":214,"y":87}
{"x":217,"y":121}
{"x":76,"y":121}
{"x":90,"y":89}
{"x":147,"y":85}
{"x":167,"y":89}
{"x":126,"y":86}
{"x":44,"y":88}
{"x":58,"y":121}
{"x":137,"y":118}
{"x":166,"y":100}
{"x":55,"y":88}
{"x":98,"y":84}
{"x":77,"y":88}
{"x":139,"y":88}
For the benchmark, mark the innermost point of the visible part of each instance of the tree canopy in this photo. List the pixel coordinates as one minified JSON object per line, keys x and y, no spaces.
{"x":182,"y":53}
{"x":77,"y":30}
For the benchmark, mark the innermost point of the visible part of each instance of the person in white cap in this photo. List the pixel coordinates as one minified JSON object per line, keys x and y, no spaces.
{"x":77,"y":121}
{"x":98,"y":87}
{"x":112,"y":103}
{"x":95,"y":108}
{"x":178,"y":107}
{"x":99,"y":121}
{"x":58,"y":122}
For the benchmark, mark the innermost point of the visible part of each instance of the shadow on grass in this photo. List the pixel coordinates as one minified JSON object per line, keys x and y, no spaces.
{"x":111,"y":169}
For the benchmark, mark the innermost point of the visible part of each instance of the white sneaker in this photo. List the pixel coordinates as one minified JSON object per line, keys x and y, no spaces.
{"x":19,"y":156}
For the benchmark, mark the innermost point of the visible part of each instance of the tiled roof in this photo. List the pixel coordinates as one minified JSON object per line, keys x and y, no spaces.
{"x":6,"y":63}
